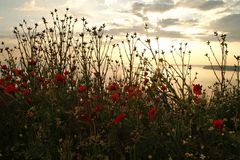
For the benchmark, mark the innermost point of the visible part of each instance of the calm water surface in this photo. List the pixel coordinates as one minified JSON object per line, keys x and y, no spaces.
{"x":207,"y":78}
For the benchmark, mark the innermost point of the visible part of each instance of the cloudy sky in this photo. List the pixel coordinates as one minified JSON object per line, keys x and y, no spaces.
{"x":193,"y":21}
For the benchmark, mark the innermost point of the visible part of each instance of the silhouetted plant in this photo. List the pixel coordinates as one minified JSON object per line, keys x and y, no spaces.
{"x":65,"y":95}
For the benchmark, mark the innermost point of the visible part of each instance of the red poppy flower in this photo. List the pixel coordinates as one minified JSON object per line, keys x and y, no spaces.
{"x":132,"y":91}
{"x":152,"y":113}
{"x":8,"y":78}
{"x":113,"y":87}
{"x":74,"y":81}
{"x":18,"y":72}
{"x":66,"y":72}
{"x":32,"y":63}
{"x":115,"y":97}
{"x":29,"y":101}
{"x":32,"y":73}
{"x":4,"y":67}
{"x":24,"y":84}
{"x":98,"y":108}
{"x":10,"y":89}
{"x":197,"y":89}
{"x":41,"y":79}
{"x":82,"y":88}
{"x":119,"y":118}
{"x":163,"y":87}
{"x":26,"y":92}
{"x":60,"y":78}
{"x":218,"y":124}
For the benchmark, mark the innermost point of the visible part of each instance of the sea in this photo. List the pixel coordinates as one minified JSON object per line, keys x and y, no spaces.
{"x":207,"y":78}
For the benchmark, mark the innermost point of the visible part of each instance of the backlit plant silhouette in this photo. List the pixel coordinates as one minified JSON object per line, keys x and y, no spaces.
{"x":66,"y":95}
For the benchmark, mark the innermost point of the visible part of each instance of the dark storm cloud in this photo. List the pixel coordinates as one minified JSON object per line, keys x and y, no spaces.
{"x":229,"y":24}
{"x":201,"y":4}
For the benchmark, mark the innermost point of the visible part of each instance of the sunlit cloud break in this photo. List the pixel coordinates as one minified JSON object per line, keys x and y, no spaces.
{"x":192,"y":21}
{"x":30,"y":5}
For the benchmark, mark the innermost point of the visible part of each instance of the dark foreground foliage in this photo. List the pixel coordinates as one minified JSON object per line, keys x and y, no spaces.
{"x":67,"y":96}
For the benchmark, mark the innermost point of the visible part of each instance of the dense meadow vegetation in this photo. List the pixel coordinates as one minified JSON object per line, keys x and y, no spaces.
{"x":65,"y":95}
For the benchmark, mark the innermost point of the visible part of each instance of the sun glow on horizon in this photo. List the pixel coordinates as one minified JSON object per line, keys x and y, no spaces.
{"x":173,"y":21}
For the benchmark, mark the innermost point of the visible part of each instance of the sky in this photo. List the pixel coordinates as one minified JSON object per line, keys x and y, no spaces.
{"x":174,"y":21}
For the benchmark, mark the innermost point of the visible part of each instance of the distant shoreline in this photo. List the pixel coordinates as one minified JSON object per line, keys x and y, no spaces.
{"x":215,"y":67}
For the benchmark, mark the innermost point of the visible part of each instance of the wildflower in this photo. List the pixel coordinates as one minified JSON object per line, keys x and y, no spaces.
{"x":98,"y":108}
{"x":18,"y":72}
{"x":163,"y":87}
{"x":29,"y":101}
{"x":73,"y":82}
{"x":132,"y":91}
{"x":121,"y":85}
{"x":115,"y":97}
{"x":18,"y":82}
{"x":32,"y":63}
{"x":152,"y":113}
{"x":66,"y":72}
{"x":197,"y":89}
{"x":218,"y":124}
{"x":82,"y":88}
{"x":145,"y":81}
{"x":10,"y":89}
{"x":8,"y":78}
{"x":119,"y":118}
{"x":24,"y":84}
{"x":32,"y":73}
{"x":4,"y":67}
{"x":41,"y":79}
{"x":113,"y":87}
{"x":26,"y":92}
{"x":60,"y":78}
